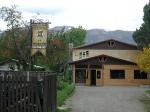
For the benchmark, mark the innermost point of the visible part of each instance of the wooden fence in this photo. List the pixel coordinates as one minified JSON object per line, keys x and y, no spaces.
{"x":27,"y":91}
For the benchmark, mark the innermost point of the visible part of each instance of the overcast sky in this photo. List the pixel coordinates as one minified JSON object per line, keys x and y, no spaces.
{"x":103,"y":14}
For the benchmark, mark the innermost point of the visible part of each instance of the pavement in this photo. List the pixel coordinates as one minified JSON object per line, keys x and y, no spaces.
{"x":106,"y":99}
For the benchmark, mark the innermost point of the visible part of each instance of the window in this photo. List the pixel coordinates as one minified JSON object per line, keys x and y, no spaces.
{"x":140,"y":75}
{"x":80,"y":76}
{"x":87,"y":53}
{"x":111,"y":43}
{"x":40,"y":33}
{"x":80,"y":55}
{"x":117,"y":74}
{"x":98,"y":74}
{"x":83,"y":54}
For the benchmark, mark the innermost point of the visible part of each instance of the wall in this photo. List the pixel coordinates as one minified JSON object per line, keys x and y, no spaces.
{"x":105,"y":77}
{"x":129,"y":76}
{"x":129,"y":55}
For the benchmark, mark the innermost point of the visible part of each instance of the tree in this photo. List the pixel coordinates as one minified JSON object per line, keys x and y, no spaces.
{"x":142,"y":35}
{"x":16,"y":36}
{"x":75,"y":36}
{"x":143,"y":60}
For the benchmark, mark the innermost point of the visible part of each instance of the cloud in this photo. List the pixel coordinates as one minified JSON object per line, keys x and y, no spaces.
{"x":107,"y":14}
{"x":42,"y":10}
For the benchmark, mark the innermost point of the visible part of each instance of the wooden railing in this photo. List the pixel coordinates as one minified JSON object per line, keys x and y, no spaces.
{"x":27,"y":91}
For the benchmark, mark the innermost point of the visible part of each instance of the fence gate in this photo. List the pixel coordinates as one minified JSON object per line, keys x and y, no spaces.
{"x":27,"y":91}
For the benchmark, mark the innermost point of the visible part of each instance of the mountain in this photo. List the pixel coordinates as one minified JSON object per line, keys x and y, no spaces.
{"x":95,"y":35}
{"x":60,"y":28}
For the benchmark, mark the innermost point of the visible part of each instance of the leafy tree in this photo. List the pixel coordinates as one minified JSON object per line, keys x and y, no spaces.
{"x":15,"y":40}
{"x":143,"y":60}
{"x":142,"y":35}
{"x":60,"y":52}
{"x":75,"y":36}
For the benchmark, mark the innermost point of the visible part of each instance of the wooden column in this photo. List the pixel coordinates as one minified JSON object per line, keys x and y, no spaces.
{"x":88,"y":77}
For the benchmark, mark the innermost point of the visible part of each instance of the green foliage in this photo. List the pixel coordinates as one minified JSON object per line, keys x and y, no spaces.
{"x":3,"y":58}
{"x":15,"y":41}
{"x":64,"y":92}
{"x":142,"y":35}
{"x":58,"y":46}
{"x":143,"y":60}
{"x":75,"y":36}
{"x":148,"y":91}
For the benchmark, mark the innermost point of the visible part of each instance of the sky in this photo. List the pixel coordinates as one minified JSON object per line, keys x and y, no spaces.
{"x":90,"y":14}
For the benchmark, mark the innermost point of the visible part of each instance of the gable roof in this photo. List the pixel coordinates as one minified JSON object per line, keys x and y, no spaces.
{"x":95,"y":60}
{"x":97,"y":45}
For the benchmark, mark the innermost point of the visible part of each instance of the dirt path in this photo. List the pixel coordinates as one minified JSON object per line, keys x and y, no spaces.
{"x":106,"y":99}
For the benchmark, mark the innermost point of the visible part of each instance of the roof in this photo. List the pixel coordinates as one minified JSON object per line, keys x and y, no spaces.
{"x":87,"y":59}
{"x":88,"y":45}
{"x":14,"y":60}
{"x":8,"y":61}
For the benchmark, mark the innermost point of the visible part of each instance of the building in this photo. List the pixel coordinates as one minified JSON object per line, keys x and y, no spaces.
{"x":108,"y":62}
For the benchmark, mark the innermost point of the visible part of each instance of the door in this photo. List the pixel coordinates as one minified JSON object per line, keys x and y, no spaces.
{"x":93,"y":77}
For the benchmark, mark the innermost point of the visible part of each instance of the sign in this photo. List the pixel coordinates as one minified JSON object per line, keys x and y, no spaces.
{"x":39,"y":38}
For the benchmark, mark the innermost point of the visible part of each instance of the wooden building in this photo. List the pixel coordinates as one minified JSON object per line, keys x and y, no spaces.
{"x":108,"y":62}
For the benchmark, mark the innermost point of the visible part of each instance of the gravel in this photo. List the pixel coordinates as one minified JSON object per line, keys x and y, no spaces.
{"x":107,"y":99}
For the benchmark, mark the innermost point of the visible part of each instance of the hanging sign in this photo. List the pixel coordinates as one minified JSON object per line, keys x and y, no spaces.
{"x":39,"y":38}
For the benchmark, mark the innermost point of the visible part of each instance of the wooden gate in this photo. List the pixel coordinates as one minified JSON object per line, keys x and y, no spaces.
{"x":27,"y":91}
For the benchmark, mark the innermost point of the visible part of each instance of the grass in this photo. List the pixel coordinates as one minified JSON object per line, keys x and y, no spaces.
{"x":146,"y":101}
{"x":148,"y":91}
{"x":66,"y":91}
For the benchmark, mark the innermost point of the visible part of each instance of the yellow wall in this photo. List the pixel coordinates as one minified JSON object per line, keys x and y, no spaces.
{"x":105,"y":77}
{"x":129,"y":76}
{"x":35,"y":29}
{"x":129,"y":55}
